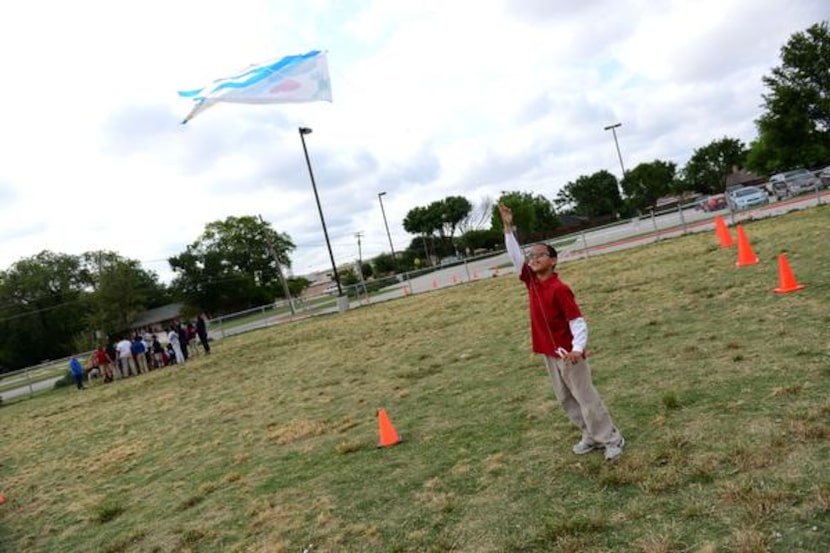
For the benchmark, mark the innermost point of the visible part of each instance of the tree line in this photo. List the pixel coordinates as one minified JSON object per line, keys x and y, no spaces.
{"x":54,"y":304}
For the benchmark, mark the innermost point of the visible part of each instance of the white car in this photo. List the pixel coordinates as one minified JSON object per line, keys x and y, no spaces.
{"x":792,"y":183}
{"x":749,"y":196}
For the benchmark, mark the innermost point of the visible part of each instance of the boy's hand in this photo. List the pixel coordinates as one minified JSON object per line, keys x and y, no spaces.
{"x":506,"y":215}
{"x":574,"y":357}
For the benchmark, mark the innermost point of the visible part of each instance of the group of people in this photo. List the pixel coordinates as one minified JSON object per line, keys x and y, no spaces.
{"x":142,"y":353}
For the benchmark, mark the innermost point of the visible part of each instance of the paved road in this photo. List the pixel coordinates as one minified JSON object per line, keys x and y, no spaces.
{"x":35,"y":387}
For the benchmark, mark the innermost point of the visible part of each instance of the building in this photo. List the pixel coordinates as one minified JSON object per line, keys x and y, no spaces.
{"x":158,"y":319}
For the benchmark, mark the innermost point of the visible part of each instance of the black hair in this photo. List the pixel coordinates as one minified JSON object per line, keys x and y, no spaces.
{"x":551,"y":250}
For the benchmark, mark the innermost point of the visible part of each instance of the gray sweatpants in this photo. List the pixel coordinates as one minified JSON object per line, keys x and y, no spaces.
{"x":579,"y":398}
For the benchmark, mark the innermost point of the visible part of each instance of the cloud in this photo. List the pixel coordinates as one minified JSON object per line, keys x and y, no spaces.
{"x":13,"y":233}
{"x":430,"y":99}
{"x":8,"y":195}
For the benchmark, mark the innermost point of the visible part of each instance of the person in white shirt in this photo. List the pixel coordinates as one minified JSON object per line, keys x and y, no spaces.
{"x":173,"y":338}
{"x":125,"y":357}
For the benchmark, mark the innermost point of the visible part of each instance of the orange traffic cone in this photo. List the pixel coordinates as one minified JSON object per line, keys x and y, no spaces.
{"x":2,"y":498}
{"x":722,"y":232}
{"x":745,"y":254}
{"x":786,"y":279}
{"x":388,"y":436}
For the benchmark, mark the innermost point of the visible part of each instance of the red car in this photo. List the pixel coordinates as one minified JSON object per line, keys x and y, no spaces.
{"x":713,"y":203}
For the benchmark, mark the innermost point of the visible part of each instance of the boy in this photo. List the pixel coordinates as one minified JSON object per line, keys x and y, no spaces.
{"x":560,"y":334}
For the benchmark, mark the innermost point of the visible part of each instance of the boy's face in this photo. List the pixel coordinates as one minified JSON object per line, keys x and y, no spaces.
{"x":539,"y":260}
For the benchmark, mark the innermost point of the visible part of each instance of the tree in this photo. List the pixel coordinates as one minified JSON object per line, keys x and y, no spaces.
{"x":348,"y":276}
{"x":122,"y":290}
{"x":421,"y":222}
{"x":647,"y":183}
{"x":592,"y":196}
{"x":532,"y":213}
{"x":44,"y":302}
{"x":709,"y":166}
{"x":230,"y":266}
{"x":794,"y":130}
{"x":453,"y":209}
{"x":366,"y":269}
{"x":487,"y":239}
{"x":297,"y":285}
{"x":384,"y":264}
{"x":441,"y":217}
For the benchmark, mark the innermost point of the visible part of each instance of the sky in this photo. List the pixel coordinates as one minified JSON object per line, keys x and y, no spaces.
{"x":430,"y":99}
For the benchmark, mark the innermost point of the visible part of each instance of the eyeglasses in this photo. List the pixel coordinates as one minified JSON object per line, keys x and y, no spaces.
{"x":537,"y":255}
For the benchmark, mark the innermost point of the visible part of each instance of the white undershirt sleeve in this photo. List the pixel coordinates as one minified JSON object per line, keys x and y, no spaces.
{"x":514,"y":250}
{"x":579,"y":330}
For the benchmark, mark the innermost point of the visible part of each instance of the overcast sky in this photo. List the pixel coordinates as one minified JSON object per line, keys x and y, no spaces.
{"x":431,"y":98}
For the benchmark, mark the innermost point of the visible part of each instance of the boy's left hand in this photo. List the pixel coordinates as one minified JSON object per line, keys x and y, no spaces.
{"x":574,"y":357}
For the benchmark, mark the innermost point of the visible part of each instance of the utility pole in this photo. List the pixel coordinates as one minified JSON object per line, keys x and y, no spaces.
{"x":359,"y":235}
{"x":276,"y":259}
{"x":386,"y":224}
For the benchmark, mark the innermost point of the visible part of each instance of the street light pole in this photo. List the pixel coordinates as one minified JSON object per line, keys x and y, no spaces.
{"x":385,"y":224}
{"x":304,"y":131}
{"x":613,"y":129}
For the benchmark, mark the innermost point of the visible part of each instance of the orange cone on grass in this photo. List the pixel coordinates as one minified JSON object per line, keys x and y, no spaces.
{"x":786,"y":279}
{"x":388,"y":435}
{"x":722,"y":232}
{"x":745,"y":254}
{"x":2,"y":498}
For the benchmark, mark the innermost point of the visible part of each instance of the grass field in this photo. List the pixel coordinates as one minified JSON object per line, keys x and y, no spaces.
{"x":721,"y":388}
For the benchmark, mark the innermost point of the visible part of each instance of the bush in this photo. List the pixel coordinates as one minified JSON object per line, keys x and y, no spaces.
{"x":66,"y":380}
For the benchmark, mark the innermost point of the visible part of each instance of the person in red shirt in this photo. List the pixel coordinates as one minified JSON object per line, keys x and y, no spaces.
{"x":104,"y":362}
{"x":560,"y":334}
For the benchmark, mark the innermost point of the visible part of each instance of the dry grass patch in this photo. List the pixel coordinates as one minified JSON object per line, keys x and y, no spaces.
{"x":759,"y":499}
{"x":659,"y":544}
{"x":792,"y":390}
{"x":295,"y":431}
{"x":749,"y":540}
{"x":721,"y":451}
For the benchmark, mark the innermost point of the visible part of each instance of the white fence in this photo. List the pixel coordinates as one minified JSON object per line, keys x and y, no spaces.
{"x":634,"y":232}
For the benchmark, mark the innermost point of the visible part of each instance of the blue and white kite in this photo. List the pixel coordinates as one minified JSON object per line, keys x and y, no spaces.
{"x":292,"y":79}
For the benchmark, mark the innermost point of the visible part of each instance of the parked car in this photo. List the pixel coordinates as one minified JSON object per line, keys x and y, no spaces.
{"x":450,"y":260}
{"x":712,"y":203}
{"x":792,"y":183}
{"x":749,"y":196}
{"x":824,"y":177}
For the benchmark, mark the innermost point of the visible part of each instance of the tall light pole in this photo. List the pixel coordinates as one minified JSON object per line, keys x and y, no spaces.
{"x":613,"y":129}
{"x":304,"y":131}
{"x":385,"y":224}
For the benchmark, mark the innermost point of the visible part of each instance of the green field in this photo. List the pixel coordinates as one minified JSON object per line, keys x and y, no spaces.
{"x":721,"y":388}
